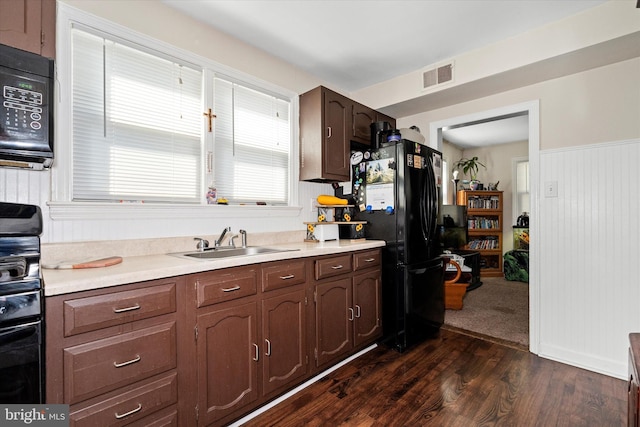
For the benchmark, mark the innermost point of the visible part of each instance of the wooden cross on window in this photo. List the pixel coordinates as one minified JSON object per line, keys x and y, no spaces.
{"x":210,"y":116}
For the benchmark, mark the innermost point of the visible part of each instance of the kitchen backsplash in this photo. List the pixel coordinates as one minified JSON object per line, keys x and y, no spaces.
{"x":54,"y":253}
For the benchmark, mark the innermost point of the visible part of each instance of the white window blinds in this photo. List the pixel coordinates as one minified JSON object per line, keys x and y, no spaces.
{"x":252,"y":144}
{"x":137,"y":121}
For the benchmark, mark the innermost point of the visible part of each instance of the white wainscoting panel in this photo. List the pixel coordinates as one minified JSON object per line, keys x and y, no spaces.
{"x":590,"y":256}
{"x":33,"y":187}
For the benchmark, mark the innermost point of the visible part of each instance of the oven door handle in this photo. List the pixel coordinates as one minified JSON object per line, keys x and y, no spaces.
{"x":12,"y":268}
{"x":17,"y":333}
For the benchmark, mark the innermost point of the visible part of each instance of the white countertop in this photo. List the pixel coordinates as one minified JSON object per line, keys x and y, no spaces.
{"x":149,"y":267}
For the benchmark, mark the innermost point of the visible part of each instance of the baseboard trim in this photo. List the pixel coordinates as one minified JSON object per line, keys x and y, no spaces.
{"x":301,"y":387}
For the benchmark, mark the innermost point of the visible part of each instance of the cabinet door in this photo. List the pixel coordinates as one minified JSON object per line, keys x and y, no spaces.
{"x":363,"y":117}
{"x":367,"y":305}
{"x":336,"y":146}
{"x":227,"y":360}
{"x":28,"y":25}
{"x":284,"y":335}
{"x":20,"y":22}
{"x":334,"y":316}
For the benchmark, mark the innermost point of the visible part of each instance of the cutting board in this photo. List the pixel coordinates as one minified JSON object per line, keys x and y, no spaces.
{"x":96,"y":263}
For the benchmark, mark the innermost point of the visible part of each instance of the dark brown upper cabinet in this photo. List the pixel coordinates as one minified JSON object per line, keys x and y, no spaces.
{"x":363,"y":117}
{"x":329,"y":123}
{"x":29,"y":25}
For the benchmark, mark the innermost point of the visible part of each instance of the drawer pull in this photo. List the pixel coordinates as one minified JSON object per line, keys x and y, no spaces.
{"x":290,"y":276}
{"x":126,"y":414}
{"x":257,"y":352}
{"x":337,"y":267}
{"x":128,"y":362}
{"x":122,"y":310}
{"x":235,"y":288}
{"x":369,"y":260}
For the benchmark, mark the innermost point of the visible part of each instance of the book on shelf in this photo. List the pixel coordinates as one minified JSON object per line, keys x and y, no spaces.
{"x":483,"y":223}
{"x":483,"y":202}
{"x":488,"y":242}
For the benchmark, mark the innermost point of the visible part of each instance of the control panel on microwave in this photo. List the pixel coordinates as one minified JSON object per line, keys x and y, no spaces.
{"x":23,"y":112}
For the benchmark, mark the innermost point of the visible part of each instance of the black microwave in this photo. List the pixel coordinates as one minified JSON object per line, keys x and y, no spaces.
{"x":26,"y":109}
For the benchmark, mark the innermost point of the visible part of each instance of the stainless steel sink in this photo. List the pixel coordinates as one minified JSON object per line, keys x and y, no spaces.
{"x":215,"y":253}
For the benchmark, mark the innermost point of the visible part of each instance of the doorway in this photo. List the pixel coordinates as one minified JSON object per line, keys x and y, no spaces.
{"x":531,"y":109}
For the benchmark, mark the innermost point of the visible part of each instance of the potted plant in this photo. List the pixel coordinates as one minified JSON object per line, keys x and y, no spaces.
{"x":470,"y":167}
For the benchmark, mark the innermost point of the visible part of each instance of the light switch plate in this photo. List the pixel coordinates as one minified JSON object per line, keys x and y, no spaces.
{"x":551,"y":189}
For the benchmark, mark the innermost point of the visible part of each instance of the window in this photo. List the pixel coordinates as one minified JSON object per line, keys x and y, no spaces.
{"x":136,"y":124}
{"x":138,"y":132}
{"x":252,"y":140}
{"x":521,"y":187}
{"x":445,"y":185}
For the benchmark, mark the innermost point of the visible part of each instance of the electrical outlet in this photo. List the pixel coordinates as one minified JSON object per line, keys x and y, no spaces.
{"x":312,"y":204}
{"x":551,"y":189}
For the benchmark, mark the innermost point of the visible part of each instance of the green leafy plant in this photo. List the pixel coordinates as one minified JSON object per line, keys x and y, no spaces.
{"x":469,"y":167}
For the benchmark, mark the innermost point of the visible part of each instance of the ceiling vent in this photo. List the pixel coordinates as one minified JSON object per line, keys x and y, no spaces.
{"x":437,"y":76}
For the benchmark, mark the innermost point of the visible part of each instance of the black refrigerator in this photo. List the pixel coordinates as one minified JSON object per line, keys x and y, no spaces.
{"x":396,"y":189}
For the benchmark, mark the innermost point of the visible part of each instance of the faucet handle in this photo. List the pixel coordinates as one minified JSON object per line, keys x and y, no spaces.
{"x":202,"y":243}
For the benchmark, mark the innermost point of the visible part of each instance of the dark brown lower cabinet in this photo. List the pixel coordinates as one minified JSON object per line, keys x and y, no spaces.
{"x":227,"y":361}
{"x":284,"y":341}
{"x":334,"y":331}
{"x":348,"y":315}
{"x":367,"y":305}
{"x":249,"y":348}
{"x":207,"y":348}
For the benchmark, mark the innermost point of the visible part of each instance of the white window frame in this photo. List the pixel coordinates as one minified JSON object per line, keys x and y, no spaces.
{"x":61,"y":205}
{"x":516,"y":209}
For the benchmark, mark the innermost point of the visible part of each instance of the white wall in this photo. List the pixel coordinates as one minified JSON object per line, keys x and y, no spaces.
{"x":154,"y":19}
{"x":583,"y":316}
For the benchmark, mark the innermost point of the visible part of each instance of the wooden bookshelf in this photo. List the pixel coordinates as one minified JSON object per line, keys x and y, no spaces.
{"x":484,"y":228}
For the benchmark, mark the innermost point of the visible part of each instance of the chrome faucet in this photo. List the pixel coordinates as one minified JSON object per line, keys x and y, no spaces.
{"x":202,"y":243}
{"x":232,"y":243}
{"x":218,"y":242}
{"x":243,"y":233}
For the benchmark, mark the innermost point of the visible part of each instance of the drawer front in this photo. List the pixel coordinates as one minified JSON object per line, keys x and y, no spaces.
{"x":129,"y":406}
{"x":104,"y":365}
{"x":282,"y":275}
{"x":363,"y":260}
{"x":225,"y":285}
{"x":169,"y":420}
{"x":92,"y":313}
{"x":334,"y":266}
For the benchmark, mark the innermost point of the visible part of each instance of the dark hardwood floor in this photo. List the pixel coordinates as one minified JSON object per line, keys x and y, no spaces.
{"x":454,"y":380}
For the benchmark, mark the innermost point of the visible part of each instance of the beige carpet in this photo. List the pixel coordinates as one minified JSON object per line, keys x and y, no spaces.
{"x":497,"y":309}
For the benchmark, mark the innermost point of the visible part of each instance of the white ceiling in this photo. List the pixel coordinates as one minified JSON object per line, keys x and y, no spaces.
{"x":502,"y":130}
{"x":352,"y":44}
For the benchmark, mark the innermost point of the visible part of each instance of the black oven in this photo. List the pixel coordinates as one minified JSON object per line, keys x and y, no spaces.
{"x":21,"y":305}
{"x":26,"y":109}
